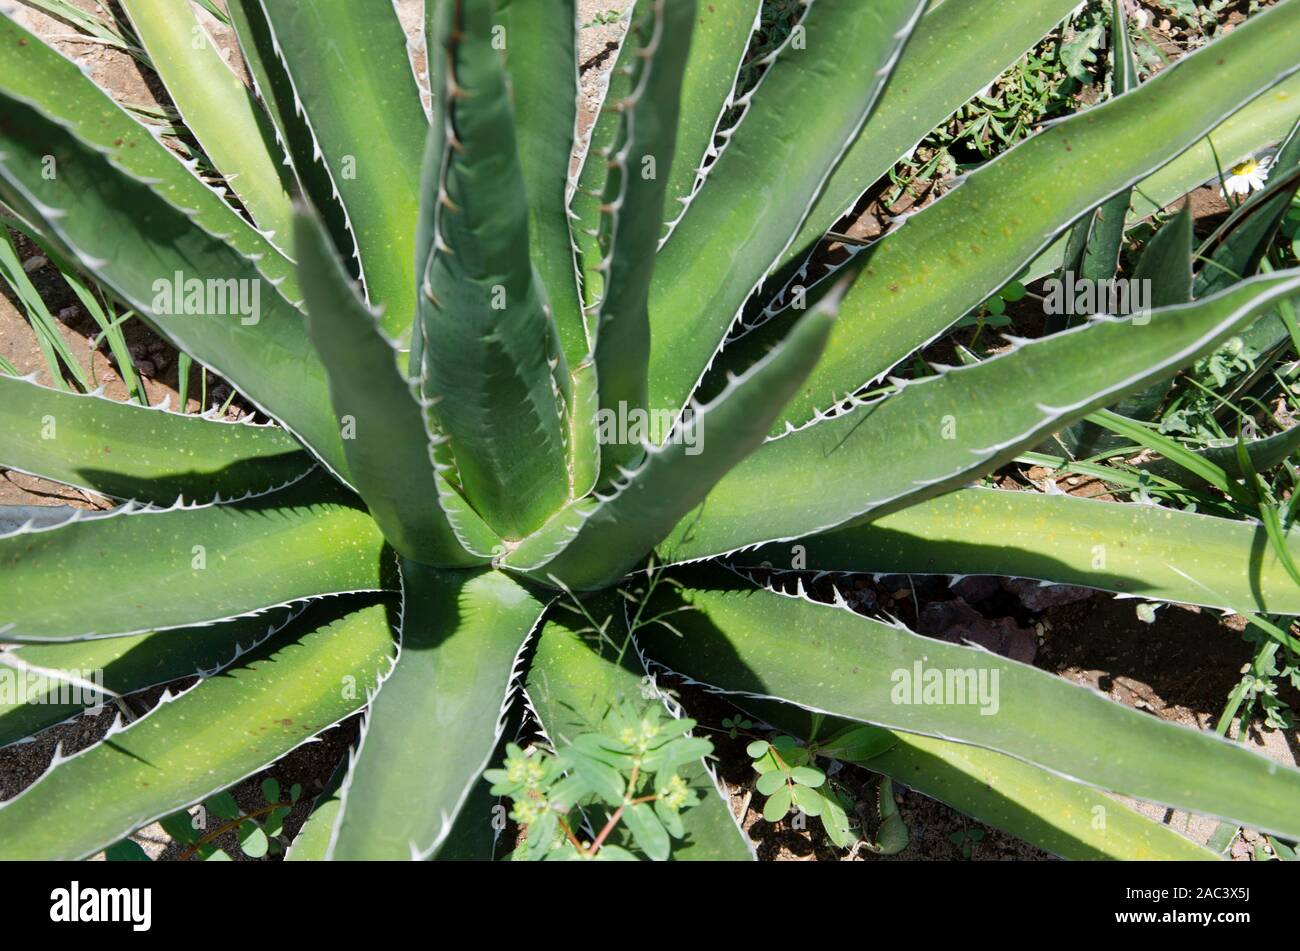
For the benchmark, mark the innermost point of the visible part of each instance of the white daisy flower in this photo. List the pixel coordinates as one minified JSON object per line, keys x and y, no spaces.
{"x":1247,"y":177}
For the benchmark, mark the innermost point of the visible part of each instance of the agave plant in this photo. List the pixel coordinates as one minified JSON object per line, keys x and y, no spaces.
{"x":500,"y":390}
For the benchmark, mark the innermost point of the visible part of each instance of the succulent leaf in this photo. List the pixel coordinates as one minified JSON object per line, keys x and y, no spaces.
{"x":938,"y":433}
{"x":133,"y":570}
{"x":492,"y":367}
{"x":918,"y":278}
{"x":592,"y":544}
{"x":541,"y":61}
{"x":955,"y":51}
{"x":218,"y":109}
{"x":128,"y":664}
{"x":1166,"y":263}
{"x":356,"y":91}
{"x":1096,"y":239}
{"x":764,"y":183}
{"x":40,"y":75}
{"x":294,"y":136}
{"x":207,"y":739}
{"x":1166,"y":554}
{"x":736,"y":639}
{"x":201,"y":294}
{"x":719,"y":41}
{"x":132,"y":452}
{"x":439,"y":715}
{"x":1062,"y":817}
{"x":390,"y":453}
{"x":639,"y":162}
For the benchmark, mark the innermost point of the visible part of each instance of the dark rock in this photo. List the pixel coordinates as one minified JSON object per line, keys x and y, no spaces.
{"x":860,"y":597}
{"x":958,"y":622}
{"x":1038,"y":597}
{"x":975,"y":588}
{"x":940,"y":617}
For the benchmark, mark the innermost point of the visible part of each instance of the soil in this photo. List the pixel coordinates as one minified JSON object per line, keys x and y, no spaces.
{"x":1180,"y":668}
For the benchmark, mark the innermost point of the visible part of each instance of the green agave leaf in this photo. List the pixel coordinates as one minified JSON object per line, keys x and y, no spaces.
{"x":440,"y":29}
{"x":350,"y":72}
{"x":587,"y":193}
{"x":1263,"y":121}
{"x":229,"y":727}
{"x":1260,"y":123}
{"x":1166,"y":263}
{"x":294,"y":136}
{"x":630,"y":227}
{"x":718,"y":43}
{"x":491,"y":365}
{"x":1061,"y":817}
{"x":130,"y":571}
{"x":1256,"y":125}
{"x":1141,"y":550}
{"x":476,"y":833}
{"x":761,"y":188}
{"x":592,"y":544}
{"x":1097,"y":238}
{"x":439,"y":715}
{"x":940,"y":432}
{"x":40,"y":75}
{"x":954,"y":52}
{"x":312,"y":842}
{"x":127,"y":664}
{"x":203,"y":295}
{"x":584,"y":445}
{"x":128,"y":451}
{"x":738,"y":639}
{"x":584,"y":197}
{"x":920,"y":278}
{"x":541,"y":62}
{"x":575,"y":679}
{"x":541,"y":57}
{"x":387,"y":445}
{"x":217,"y":108}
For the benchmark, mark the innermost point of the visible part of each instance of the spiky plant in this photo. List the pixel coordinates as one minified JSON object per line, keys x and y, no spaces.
{"x":459,"y":455}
